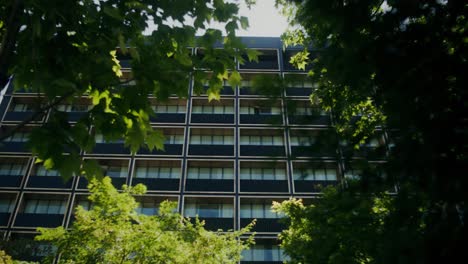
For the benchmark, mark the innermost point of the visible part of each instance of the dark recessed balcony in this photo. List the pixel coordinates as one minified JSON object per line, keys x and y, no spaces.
{"x":158,"y":184}
{"x":4,"y":219}
{"x":20,"y":116}
{"x":168,"y":118}
{"x":266,"y":225}
{"x":75,"y":116}
{"x":211,"y":150}
{"x":270,"y":151}
{"x":261,"y":119}
{"x":315,"y":151}
{"x":213,"y":118}
{"x":117,"y":182}
{"x":226,"y":90}
{"x":110,"y":148}
{"x":320,"y":120}
{"x":312,"y":186}
{"x":13,"y":147}
{"x":209,"y":185}
{"x":49,"y":182}
{"x":10,"y":181}
{"x":169,"y":150}
{"x":298,"y":91}
{"x":38,"y":220}
{"x":375,"y":153}
{"x":264,"y":186}
{"x":213,"y":224}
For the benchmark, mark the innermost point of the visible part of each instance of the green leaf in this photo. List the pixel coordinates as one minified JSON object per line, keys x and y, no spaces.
{"x":234,"y":79}
{"x":252,"y":54}
{"x":112,"y":12}
{"x":122,"y":44}
{"x":244,"y":21}
{"x":155,"y":139}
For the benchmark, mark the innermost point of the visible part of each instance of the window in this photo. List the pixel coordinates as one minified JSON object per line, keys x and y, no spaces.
{"x":262,"y":174}
{"x":74,"y":108}
{"x":115,"y":171}
{"x":257,"y":210}
{"x":306,"y":111}
{"x":42,"y":171}
{"x":246,"y":83}
{"x":148,"y":208}
{"x":262,"y":140}
{"x":260,"y":252}
{"x":100,"y":140}
{"x":212,"y":139}
{"x":315,"y":174}
{"x":169,"y":109}
{"x":213,"y":109}
{"x":302,"y":141}
{"x":211,"y":173}
{"x":7,"y":204}
{"x":209,"y":210}
{"x":18,"y":137}
{"x":174,"y":139}
{"x":257,"y":110}
{"x":19,"y":107}
{"x":302,"y":84}
{"x":157,"y":172}
{"x":35,"y":206}
{"x":85,"y":203}
{"x":12,"y":169}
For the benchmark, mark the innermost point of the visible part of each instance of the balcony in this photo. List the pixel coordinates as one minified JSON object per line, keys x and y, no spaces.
{"x":17,"y":142}
{"x":315,"y":143}
{"x":298,"y":85}
{"x":262,"y":142}
{"x":173,"y":145}
{"x":158,"y":175}
{"x":23,"y":108}
{"x":261,"y":176}
{"x":260,"y":209}
{"x":312,"y":177}
{"x":211,"y":142}
{"x":116,"y":169}
{"x":260,"y":112}
{"x":373,"y":149}
{"x":210,"y":176}
{"x":215,"y":112}
{"x":39,"y":210}
{"x":217,"y":213}
{"x":265,"y":85}
{"x":171,"y":111}
{"x":12,"y":171}
{"x":104,"y":146}
{"x":301,"y":112}
{"x":267,"y":60}
{"x":55,"y":182}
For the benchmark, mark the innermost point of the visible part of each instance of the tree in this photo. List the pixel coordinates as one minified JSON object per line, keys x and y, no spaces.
{"x":65,"y":50}
{"x":400,"y":65}
{"x":113,"y":232}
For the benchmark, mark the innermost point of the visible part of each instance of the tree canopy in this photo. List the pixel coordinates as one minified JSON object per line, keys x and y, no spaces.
{"x":399,"y":66}
{"x":64,"y":50}
{"x":113,"y":232}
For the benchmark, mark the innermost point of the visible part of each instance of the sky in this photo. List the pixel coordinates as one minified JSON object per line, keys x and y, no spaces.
{"x":264,"y":20}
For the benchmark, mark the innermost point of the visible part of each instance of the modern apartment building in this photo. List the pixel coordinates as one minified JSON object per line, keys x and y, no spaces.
{"x":225,"y":161}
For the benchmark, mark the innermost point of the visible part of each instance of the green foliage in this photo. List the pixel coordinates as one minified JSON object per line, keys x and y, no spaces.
{"x":113,"y":232}
{"x":400,"y":65}
{"x":68,"y":50}
{"x":346,"y":227}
